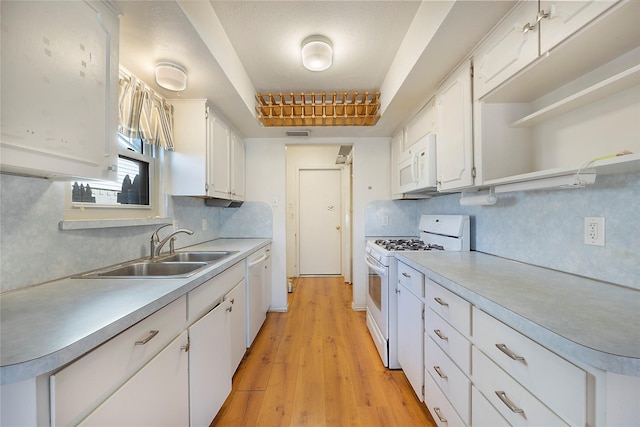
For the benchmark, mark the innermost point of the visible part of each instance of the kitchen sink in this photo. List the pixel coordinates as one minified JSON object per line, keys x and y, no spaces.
{"x":179,"y":264}
{"x":152,"y":269}
{"x":201,"y":256}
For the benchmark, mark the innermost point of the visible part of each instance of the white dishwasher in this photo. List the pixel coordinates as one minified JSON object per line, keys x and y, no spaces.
{"x":258,"y":291}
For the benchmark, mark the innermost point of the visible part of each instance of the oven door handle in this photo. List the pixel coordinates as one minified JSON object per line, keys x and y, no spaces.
{"x":377,"y":268}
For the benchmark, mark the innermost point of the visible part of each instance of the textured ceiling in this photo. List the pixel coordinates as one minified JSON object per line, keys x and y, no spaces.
{"x":372,"y":41}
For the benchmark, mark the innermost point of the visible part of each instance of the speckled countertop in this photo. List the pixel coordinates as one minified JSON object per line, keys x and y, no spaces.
{"x":43,"y":327}
{"x":585,"y":320}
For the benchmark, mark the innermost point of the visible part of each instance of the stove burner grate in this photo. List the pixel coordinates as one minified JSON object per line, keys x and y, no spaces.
{"x":407,"y":245}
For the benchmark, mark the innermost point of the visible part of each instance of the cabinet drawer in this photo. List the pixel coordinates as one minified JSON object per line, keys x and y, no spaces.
{"x":558,"y":383}
{"x":452,"y":381}
{"x":91,"y":378}
{"x":454,"y":344}
{"x":513,"y":401}
{"x":483,"y":414}
{"x":411,"y":279}
{"x":449,"y":306}
{"x":441,"y":410}
{"x":203,"y":298}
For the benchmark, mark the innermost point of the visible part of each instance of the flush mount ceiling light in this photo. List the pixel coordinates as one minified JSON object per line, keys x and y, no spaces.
{"x":317,"y":53}
{"x":171,"y":76}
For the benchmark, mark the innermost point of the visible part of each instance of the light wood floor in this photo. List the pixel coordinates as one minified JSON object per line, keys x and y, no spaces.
{"x":316,"y":365}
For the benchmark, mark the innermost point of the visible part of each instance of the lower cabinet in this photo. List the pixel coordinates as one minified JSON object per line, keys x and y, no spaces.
{"x":155,"y":396}
{"x":237,"y":300}
{"x":410,"y":326}
{"x":209,"y":364}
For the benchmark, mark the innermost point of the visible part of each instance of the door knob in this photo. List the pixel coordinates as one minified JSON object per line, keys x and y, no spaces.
{"x":337,"y":227}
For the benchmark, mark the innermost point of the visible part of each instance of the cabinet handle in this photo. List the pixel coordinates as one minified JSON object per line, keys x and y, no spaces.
{"x":542,"y":15}
{"x":229,"y":309}
{"x":512,"y":406}
{"x":233,"y":300}
{"x":441,"y":302}
{"x":439,"y":415}
{"x":186,"y":347}
{"x":147,"y":338}
{"x":439,"y":372}
{"x":440,"y":334}
{"x":406,"y":275}
{"x":503,"y":348}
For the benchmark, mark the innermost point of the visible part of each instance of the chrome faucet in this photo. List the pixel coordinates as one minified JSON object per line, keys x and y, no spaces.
{"x":157,"y":244}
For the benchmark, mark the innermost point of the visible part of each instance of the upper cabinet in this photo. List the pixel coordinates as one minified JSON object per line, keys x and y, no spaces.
{"x":454,"y":136}
{"x":571,"y":111}
{"x":510,"y":47}
{"x":208,"y":160}
{"x":59,"y":89}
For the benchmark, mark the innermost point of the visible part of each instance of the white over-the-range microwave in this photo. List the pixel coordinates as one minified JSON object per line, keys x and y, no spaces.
{"x":418,"y":171}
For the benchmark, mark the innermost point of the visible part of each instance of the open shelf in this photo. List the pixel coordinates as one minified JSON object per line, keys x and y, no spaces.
{"x":621,"y":81}
{"x":619,"y":164}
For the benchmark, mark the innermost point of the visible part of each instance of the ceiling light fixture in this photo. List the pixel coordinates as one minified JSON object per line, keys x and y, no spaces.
{"x":317,"y":53}
{"x":171,"y":76}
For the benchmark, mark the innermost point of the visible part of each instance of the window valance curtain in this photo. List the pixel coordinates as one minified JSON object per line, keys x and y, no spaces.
{"x":143,"y":114}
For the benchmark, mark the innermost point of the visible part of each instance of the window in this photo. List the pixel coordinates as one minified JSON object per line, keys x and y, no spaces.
{"x":131,"y":196}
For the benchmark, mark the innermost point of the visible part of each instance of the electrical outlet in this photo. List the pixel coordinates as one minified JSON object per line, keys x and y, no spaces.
{"x":385,"y":220}
{"x":205,"y":224}
{"x":594,"y":230}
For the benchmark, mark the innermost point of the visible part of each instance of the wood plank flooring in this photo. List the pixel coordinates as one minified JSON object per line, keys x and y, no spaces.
{"x":316,"y":365}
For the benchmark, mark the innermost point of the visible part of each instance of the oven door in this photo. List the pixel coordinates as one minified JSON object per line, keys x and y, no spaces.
{"x":378,"y":306}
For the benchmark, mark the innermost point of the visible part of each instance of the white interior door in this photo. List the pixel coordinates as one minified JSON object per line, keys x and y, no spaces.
{"x":320,"y":222}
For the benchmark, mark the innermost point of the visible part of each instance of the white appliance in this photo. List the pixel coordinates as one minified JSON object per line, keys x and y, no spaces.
{"x":437,"y":232}
{"x":258,"y":291}
{"x":418,"y":171}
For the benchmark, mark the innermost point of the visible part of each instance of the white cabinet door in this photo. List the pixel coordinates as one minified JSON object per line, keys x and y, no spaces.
{"x":454,"y":141}
{"x":189,"y":160}
{"x":565,"y":18}
{"x":59,"y":89}
{"x":218,"y":158}
{"x":410,"y":338}
{"x":424,"y":122}
{"x":237,"y":167}
{"x":209,"y":361}
{"x":507,"y":50}
{"x":158,"y":395}
{"x":237,"y":298}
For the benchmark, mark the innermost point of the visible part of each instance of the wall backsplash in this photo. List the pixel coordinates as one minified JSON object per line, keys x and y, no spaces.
{"x":34,"y":250}
{"x":543,"y":228}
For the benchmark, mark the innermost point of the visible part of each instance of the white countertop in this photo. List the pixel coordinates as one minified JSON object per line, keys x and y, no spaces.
{"x":588,"y":321}
{"x":43,"y":327}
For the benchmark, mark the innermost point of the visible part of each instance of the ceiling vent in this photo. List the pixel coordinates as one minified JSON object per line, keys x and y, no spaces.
{"x":344,"y":155}
{"x":304,"y":132}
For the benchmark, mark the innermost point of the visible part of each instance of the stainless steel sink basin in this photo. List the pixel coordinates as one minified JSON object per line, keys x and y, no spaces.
{"x":179,"y":264}
{"x":147,"y":269}
{"x":200,"y":256}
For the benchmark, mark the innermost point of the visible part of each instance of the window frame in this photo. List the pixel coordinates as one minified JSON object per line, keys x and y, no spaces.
{"x":79,"y":211}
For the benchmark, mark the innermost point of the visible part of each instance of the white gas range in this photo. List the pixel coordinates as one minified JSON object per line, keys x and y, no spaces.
{"x":437,"y":232}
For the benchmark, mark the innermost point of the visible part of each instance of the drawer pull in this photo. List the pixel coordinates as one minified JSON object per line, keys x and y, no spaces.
{"x":439,"y":372}
{"x":503,"y":348}
{"x":512,"y":406}
{"x":186,"y":347}
{"x":439,"y":415}
{"x":440,"y":334}
{"x":406,"y":275}
{"x":147,"y":338}
{"x":441,"y":302}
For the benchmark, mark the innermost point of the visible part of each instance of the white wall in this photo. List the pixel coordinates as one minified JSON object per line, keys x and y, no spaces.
{"x":266,"y":179}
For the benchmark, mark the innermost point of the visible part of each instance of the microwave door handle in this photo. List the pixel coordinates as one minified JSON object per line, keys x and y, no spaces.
{"x":374,"y":267}
{"x":414,"y":167}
